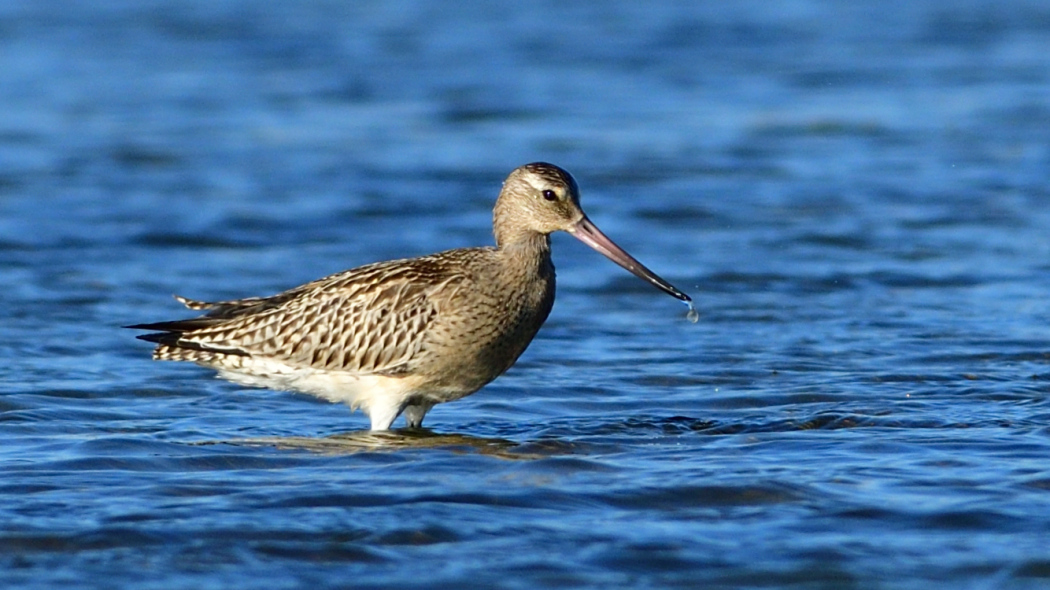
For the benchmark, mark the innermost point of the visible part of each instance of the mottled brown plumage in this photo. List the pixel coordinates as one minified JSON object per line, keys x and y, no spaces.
{"x":400,"y":336}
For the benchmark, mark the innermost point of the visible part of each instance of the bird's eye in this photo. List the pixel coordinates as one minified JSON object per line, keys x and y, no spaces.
{"x":549,"y":195}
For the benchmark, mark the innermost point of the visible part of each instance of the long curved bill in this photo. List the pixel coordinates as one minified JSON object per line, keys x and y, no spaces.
{"x":589,"y":234}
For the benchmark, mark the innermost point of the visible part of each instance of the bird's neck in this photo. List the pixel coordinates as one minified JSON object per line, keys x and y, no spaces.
{"x":530,"y":251}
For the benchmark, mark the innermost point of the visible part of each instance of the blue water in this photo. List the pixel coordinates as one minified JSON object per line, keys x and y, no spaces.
{"x":856,"y":196}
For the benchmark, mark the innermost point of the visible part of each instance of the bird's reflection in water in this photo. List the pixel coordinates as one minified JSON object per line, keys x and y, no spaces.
{"x":366,"y":441}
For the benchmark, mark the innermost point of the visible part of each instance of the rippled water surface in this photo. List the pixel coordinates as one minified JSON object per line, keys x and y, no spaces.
{"x":856,"y":197}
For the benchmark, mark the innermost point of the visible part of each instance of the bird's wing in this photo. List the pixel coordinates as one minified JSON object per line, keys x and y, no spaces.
{"x":373,"y":319}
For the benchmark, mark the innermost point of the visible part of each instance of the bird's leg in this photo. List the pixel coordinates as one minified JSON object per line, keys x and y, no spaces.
{"x":383,"y":415}
{"x":415,"y":412}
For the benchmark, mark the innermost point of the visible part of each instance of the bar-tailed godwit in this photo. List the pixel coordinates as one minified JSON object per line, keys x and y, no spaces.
{"x":398,"y":337}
